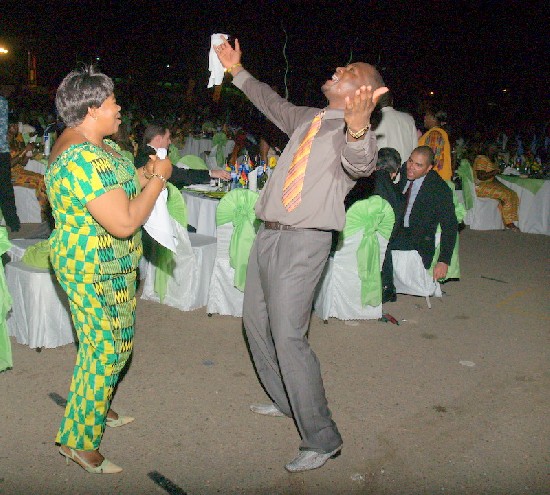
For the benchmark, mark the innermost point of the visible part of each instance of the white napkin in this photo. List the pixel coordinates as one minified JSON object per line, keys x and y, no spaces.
{"x":159,"y":224}
{"x":214,"y":65}
{"x":253,"y":180}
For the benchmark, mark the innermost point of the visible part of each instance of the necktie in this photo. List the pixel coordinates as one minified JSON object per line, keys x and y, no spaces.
{"x":408,"y":195}
{"x":292,"y":188}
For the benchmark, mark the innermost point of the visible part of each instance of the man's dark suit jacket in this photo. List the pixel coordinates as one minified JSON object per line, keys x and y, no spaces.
{"x":433,"y":206}
{"x":180,"y":177}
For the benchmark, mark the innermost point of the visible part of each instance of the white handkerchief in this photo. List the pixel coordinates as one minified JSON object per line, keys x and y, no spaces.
{"x":214,"y":65}
{"x":159,"y":224}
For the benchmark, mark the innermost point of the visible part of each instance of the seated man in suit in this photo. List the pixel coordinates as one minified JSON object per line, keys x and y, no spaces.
{"x":428,"y":203}
{"x":157,"y":136}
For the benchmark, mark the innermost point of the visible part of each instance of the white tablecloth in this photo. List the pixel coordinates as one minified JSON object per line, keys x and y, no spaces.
{"x":195,"y":146}
{"x":201,"y":213}
{"x":534,"y":209}
{"x":40,"y":314}
{"x":35,"y":166}
{"x":28,"y":208}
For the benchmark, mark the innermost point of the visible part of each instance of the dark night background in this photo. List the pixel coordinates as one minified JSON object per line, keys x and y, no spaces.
{"x":467,"y":53}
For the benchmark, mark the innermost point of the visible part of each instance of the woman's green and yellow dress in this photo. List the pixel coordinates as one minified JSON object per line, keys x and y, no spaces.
{"x":98,"y":273}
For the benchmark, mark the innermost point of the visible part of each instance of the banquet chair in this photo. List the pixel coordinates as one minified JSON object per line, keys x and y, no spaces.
{"x":192,"y":162}
{"x":482,"y":213}
{"x":409,"y":274}
{"x":6,"y":359}
{"x":40,"y":315}
{"x":350,"y":287}
{"x":28,"y":208}
{"x":237,"y":226}
{"x":180,"y":279}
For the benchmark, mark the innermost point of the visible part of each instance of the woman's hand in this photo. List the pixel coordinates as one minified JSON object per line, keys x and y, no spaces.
{"x":228,"y":55}
{"x":360,"y":107}
{"x":163,"y":167}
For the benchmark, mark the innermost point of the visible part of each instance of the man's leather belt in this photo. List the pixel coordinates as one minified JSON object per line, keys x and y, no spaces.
{"x":278,"y":226}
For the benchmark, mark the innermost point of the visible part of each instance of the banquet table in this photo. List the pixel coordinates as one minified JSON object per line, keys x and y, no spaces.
{"x":534,"y":202}
{"x":201,"y":212}
{"x":36,"y":166}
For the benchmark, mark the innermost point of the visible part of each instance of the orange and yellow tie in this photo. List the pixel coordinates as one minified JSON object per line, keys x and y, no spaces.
{"x":292,"y":188}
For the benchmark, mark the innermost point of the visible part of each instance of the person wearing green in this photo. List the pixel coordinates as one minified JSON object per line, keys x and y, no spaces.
{"x":99,"y":203}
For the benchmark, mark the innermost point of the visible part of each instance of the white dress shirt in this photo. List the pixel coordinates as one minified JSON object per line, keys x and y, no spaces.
{"x":397,"y":130}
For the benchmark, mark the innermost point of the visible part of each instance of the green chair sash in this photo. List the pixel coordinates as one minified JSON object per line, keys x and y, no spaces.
{"x":454,"y":267}
{"x":373,"y":215}
{"x":174,"y":154}
{"x":38,"y":255}
{"x":237,"y":207}
{"x":6,"y":360}
{"x":164,"y":258}
{"x":219,"y":140}
{"x":193,"y":162}
{"x":466,"y":174}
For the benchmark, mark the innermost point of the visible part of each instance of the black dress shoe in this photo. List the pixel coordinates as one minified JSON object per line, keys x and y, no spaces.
{"x":388,"y":295}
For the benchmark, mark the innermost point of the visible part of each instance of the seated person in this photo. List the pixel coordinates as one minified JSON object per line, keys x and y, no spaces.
{"x":158,"y":136}
{"x":380,"y":182}
{"x":19,"y":156}
{"x":428,"y":203}
{"x":487,"y":186}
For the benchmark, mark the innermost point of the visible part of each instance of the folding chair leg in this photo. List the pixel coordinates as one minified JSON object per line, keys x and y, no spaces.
{"x":428,"y":302}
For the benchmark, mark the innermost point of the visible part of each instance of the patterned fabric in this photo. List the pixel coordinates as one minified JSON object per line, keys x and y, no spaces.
{"x":98,"y":272}
{"x":4,"y":146}
{"x":292,"y":188}
{"x":438,"y":140}
{"x":32,"y":180}
{"x":492,"y":188}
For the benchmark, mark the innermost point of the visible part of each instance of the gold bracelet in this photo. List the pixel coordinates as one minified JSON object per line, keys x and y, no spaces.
{"x":232,"y":67}
{"x":158,"y":176}
{"x":360,"y":133}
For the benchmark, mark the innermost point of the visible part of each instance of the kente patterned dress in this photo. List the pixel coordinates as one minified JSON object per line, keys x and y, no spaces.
{"x":98,"y":272}
{"x":438,"y":140}
{"x":492,"y":188}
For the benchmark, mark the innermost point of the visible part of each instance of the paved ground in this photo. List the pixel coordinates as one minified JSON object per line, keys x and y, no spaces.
{"x":455,"y":400}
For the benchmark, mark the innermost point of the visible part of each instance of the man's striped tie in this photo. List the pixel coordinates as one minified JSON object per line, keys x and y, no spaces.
{"x":292,"y":189}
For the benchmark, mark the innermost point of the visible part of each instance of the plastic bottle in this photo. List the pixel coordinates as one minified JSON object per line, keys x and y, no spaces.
{"x":47,"y":143}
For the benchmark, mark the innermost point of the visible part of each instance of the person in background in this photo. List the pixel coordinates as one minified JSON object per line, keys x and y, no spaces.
{"x":99,"y":202}
{"x":300,"y":206}
{"x":20,"y":155}
{"x":487,"y":185}
{"x":122,"y":138}
{"x":395,"y":129}
{"x":380,"y":182}
{"x":157,"y":136}
{"x":7,"y":196}
{"x":437,"y":138}
{"x":428,"y":202}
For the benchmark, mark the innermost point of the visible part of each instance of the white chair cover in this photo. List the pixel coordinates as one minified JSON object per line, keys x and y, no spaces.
{"x":485,"y":215}
{"x":187,"y":288}
{"x":338,"y":295}
{"x":223,"y":297}
{"x":40,"y":315}
{"x":410,"y":276}
{"x":28,"y":208}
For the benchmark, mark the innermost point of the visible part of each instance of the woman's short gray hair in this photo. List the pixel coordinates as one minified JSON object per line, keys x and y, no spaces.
{"x":81,"y":89}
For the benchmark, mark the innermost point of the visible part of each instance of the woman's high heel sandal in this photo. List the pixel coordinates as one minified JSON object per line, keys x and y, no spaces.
{"x":120,"y":421}
{"x":106,"y":467}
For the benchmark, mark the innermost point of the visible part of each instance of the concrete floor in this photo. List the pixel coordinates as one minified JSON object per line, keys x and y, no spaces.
{"x":454,"y":400}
